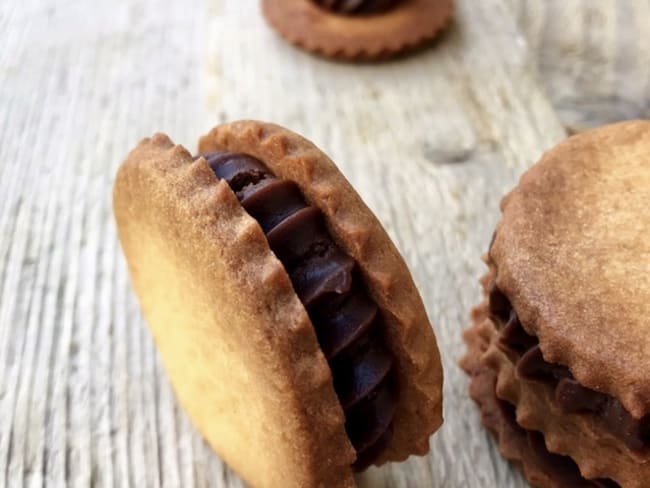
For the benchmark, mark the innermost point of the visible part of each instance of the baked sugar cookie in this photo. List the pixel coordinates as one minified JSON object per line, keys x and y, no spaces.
{"x":563,"y":334}
{"x":286,"y":319}
{"x":358,"y":29}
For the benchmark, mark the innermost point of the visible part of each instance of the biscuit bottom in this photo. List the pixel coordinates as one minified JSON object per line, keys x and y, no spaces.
{"x":327,"y":282}
{"x":569,"y":395}
{"x":524,"y":447}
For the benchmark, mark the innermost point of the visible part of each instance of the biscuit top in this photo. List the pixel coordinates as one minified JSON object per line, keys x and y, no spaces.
{"x":573,"y":255}
{"x":357,"y":6}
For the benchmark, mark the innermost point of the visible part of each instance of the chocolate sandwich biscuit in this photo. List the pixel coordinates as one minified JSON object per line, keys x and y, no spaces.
{"x":358,"y":29}
{"x":286,"y":319}
{"x":566,"y":300}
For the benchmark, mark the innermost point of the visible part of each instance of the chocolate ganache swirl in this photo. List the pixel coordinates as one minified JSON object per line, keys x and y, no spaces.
{"x":562,"y":468}
{"x":327,"y":282}
{"x":569,"y":395}
{"x":357,"y":6}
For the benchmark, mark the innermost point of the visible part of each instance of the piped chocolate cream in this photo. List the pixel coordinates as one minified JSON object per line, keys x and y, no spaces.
{"x":562,"y":468}
{"x":569,"y":395}
{"x":327,"y":282}
{"x":357,"y":6}
{"x":525,"y":447}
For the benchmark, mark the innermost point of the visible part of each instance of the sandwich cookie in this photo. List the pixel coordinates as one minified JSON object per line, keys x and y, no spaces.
{"x":358,"y":29}
{"x":560,"y":347}
{"x":286,"y":319}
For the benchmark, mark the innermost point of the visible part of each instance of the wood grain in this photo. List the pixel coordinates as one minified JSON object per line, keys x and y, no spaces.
{"x":431,"y":142}
{"x":593,"y":57}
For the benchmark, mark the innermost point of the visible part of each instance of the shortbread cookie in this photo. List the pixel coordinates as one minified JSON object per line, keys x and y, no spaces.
{"x":568,"y":295}
{"x":358,"y":29}
{"x":285,"y":317}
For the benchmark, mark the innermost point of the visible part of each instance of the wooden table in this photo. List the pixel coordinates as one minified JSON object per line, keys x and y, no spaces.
{"x":431,"y":142}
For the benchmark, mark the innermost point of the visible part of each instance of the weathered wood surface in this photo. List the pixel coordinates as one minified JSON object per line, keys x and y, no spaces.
{"x":593,"y":57}
{"x":431,"y":141}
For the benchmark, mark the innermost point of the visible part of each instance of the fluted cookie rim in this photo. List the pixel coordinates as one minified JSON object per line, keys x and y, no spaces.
{"x":405,"y":27}
{"x":408,"y":332}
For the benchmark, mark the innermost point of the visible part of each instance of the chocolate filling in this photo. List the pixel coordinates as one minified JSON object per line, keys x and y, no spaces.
{"x":569,"y":395}
{"x":357,"y":6}
{"x":347,"y":322}
{"x":561,"y":468}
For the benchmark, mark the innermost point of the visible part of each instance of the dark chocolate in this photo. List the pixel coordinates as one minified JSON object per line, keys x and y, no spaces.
{"x":357,"y":6}
{"x":345,"y":319}
{"x":515,"y":337}
{"x":532,"y":366}
{"x":500,"y":306}
{"x":366,"y":458}
{"x":341,"y":321}
{"x":569,"y":395}
{"x":356,"y":376}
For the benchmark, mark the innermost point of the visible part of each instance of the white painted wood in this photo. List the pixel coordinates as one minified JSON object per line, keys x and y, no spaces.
{"x":431,"y":142}
{"x":592,"y":55}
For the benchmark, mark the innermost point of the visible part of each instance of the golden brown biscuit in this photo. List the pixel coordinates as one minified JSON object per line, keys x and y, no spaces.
{"x":237,"y":342}
{"x":360,"y":36}
{"x":568,"y":296}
